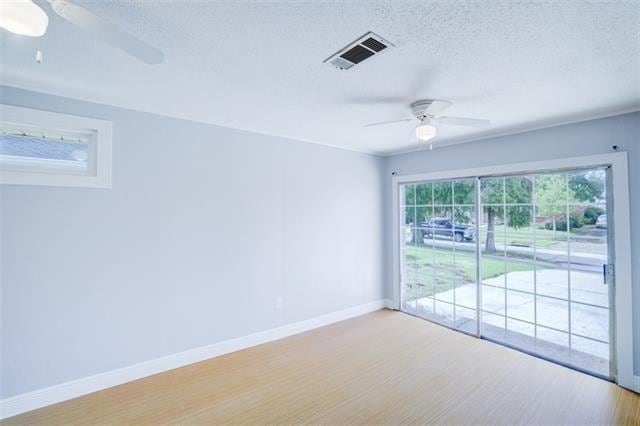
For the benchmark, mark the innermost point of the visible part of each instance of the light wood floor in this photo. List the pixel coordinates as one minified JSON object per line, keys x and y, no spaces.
{"x":384,"y":367}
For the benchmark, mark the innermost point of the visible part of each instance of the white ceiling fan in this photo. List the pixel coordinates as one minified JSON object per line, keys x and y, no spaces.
{"x":428,"y":113}
{"x":24,"y":17}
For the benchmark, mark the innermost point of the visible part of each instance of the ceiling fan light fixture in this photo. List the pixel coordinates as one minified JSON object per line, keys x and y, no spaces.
{"x":425,"y":131}
{"x":23,"y":17}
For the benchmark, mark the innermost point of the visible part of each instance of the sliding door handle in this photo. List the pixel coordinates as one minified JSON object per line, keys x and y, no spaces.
{"x":608,"y":273}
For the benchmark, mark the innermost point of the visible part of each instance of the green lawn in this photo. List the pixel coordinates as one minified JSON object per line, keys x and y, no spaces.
{"x":524,"y":236}
{"x":422,"y":261}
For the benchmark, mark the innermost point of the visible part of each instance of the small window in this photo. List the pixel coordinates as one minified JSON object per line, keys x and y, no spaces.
{"x":22,"y":151}
{"x":43,"y":148}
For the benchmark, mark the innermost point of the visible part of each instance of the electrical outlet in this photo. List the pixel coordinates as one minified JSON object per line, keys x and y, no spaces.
{"x":277,"y":303}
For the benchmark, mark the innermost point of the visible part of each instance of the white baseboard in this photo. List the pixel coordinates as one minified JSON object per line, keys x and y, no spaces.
{"x":42,"y":397}
{"x":636,"y":384}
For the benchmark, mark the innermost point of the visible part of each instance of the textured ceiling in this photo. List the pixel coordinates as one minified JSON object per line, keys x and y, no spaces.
{"x":258,"y":65}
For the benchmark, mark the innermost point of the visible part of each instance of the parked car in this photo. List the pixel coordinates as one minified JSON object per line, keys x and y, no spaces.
{"x":601,"y":222}
{"x":444,"y":227}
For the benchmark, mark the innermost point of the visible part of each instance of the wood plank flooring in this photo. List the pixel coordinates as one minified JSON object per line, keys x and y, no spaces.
{"x":383,"y":367}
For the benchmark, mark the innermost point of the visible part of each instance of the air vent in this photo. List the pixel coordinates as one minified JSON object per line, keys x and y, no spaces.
{"x":374,"y":44}
{"x":357,"y":54}
{"x":365,"y":47}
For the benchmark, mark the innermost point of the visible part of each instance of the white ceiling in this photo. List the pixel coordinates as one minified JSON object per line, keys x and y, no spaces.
{"x":258,"y":65}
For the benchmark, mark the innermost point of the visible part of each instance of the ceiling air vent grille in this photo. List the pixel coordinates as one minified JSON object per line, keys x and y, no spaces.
{"x":357,"y":54}
{"x":365,"y":47}
{"x":374,"y":44}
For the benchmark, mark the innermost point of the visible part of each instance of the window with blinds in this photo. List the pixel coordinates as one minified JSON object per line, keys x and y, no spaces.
{"x":25,"y":148}
{"x":46,"y":148}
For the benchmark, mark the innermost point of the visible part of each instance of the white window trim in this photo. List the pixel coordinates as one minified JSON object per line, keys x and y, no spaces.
{"x":101,"y":174}
{"x":622,"y":237}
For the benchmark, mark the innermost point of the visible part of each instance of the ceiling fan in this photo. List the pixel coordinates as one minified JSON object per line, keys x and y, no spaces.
{"x":24,"y":17}
{"x":427,"y":112}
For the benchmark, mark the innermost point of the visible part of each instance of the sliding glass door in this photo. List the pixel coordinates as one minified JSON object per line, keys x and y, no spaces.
{"x":529,"y":276}
{"x":439,"y":255}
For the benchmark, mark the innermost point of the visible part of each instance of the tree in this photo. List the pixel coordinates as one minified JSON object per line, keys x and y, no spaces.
{"x":552,"y":196}
{"x":555,"y":191}
{"x":508,"y":198}
{"x":587,"y":186}
{"x":437,"y":199}
{"x":423,"y":211}
{"x":496,"y":194}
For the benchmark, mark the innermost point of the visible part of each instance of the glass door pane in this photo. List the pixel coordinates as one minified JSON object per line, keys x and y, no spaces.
{"x":543,"y":243}
{"x":439,"y":252}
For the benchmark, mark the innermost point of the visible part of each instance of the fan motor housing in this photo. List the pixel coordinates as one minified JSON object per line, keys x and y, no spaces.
{"x":418,"y":108}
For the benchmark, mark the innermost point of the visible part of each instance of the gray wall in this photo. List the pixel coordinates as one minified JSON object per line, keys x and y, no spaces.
{"x":591,"y":137}
{"x":203,"y":228}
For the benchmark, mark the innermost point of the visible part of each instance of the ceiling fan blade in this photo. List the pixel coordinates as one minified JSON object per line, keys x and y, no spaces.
{"x":382,"y":123}
{"x":413,"y":138}
{"x":437,"y":107}
{"x":461,"y":121}
{"x":107,"y":32}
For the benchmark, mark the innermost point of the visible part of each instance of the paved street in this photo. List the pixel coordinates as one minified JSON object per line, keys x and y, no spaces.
{"x":581,"y":260}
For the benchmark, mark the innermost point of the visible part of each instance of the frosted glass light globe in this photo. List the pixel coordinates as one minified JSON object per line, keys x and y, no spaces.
{"x":425,"y":131}
{"x":23,"y":17}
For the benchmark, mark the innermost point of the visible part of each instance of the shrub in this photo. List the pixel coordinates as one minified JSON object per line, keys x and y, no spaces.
{"x":591,"y":214}
{"x":575,"y":219}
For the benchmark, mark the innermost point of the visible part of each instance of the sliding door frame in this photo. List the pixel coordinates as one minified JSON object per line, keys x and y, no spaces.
{"x":618,"y":164}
